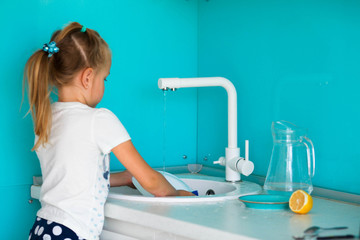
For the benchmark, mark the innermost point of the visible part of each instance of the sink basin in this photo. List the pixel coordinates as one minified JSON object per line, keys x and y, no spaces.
{"x":205,"y":185}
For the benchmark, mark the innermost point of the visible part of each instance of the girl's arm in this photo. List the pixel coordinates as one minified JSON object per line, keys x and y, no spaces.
{"x":121,"y":179}
{"x":151,"y":180}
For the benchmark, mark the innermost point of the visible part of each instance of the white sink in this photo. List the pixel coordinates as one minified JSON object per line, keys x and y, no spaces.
{"x":203,"y":184}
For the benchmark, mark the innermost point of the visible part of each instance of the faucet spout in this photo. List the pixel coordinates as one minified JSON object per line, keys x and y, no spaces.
{"x":171,"y":83}
{"x":232,"y":151}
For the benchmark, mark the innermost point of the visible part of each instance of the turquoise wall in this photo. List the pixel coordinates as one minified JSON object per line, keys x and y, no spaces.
{"x":292,"y":60}
{"x":149,"y":39}
{"x":289,"y":60}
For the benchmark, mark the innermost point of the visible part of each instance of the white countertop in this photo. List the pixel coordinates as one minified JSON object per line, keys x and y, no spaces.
{"x":232,"y":220}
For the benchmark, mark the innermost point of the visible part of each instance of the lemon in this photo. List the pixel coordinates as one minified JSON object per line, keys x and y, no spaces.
{"x":300,"y":202}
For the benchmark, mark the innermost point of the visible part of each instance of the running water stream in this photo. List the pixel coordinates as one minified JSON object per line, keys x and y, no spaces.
{"x":164,"y":131}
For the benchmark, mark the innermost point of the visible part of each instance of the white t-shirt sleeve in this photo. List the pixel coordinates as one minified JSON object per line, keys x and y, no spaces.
{"x":108,"y":130}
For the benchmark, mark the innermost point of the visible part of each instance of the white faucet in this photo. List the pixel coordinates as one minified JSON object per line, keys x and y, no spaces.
{"x":232,"y":161}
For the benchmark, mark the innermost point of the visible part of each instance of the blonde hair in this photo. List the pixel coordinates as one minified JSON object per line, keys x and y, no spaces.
{"x":77,"y":50}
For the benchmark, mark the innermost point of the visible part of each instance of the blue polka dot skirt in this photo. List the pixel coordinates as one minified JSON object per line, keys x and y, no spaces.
{"x":48,"y":230}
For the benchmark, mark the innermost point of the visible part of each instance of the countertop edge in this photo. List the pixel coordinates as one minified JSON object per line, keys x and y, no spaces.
{"x":114,"y":210}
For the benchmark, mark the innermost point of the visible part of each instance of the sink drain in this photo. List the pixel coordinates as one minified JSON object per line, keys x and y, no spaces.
{"x":210,"y":192}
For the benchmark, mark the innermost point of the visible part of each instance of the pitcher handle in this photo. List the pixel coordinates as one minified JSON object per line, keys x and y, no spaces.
{"x":311,"y":155}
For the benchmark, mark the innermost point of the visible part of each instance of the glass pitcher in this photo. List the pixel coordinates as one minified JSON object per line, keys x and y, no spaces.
{"x":292,"y":163}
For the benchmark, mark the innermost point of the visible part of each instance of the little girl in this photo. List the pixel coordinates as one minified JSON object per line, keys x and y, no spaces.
{"x":73,"y":138}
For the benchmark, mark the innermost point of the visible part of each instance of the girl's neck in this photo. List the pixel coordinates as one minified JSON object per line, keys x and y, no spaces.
{"x":71,"y":93}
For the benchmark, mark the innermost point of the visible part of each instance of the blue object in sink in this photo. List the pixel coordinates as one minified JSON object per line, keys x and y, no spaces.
{"x":266,"y":201}
{"x":195,"y":192}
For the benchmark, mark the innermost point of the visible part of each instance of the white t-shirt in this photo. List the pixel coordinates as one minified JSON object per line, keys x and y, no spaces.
{"x":75,"y":166}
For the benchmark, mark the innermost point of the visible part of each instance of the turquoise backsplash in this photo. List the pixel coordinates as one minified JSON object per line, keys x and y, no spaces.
{"x":289,"y":60}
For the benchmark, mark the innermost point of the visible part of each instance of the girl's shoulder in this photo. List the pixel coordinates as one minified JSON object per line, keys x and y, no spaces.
{"x":104,"y":111}
{"x":105,"y":115}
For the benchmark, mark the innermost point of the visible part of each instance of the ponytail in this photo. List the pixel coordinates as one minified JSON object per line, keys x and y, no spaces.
{"x":37,"y":76}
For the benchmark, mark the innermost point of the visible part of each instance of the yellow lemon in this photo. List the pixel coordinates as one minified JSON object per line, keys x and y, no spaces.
{"x":300,"y":202}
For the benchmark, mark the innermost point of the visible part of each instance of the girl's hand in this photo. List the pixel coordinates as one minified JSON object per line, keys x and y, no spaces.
{"x":184,"y":193}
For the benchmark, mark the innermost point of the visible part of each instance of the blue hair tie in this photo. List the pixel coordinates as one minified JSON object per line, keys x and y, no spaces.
{"x":50,"y":48}
{"x":83,"y":29}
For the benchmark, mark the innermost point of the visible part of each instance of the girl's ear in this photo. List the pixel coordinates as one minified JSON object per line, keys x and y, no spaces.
{"x":87,"y":77}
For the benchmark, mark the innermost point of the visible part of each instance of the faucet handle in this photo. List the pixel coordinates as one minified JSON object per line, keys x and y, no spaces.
{"x":220,"y":161}
{"x":245,"y":167}
{"x":246,"y":149}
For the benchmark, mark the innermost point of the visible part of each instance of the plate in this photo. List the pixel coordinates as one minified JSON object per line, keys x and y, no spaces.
{"x":176,"y":182}
{"x":266,"y":201}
